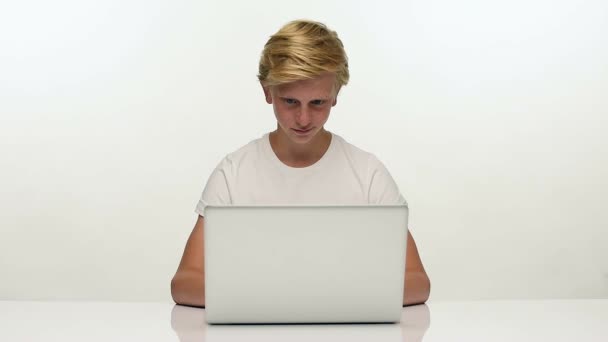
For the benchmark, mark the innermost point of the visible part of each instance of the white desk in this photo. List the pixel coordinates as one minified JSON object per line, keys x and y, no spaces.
{"x":557,"y":320}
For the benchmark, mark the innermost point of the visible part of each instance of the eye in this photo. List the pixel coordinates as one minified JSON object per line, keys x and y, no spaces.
{"x":317,"y":102}
{"x":290,"y":101}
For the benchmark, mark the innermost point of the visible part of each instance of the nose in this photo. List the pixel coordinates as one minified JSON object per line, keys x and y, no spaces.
{"x":304,"y":117}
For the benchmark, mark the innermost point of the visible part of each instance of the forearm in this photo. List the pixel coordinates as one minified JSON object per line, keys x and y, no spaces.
{"x":417,"y":288}
{"x":188,"y":288}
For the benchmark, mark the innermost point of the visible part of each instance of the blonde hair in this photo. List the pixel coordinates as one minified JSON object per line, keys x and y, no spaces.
{"x":303,"y":49}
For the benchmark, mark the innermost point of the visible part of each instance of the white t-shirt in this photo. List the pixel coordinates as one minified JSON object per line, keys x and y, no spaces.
{"x":254,"y":175}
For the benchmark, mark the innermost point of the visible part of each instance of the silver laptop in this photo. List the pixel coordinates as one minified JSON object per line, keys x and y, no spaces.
{"x":304,"y":264}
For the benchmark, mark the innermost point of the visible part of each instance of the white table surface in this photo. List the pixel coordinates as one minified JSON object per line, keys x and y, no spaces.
{"x":546,"y":320}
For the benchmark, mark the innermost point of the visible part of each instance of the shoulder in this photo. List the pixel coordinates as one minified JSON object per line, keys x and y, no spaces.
{"x":377,"y":182}
{"x":251,"y":151}
{"x":358,"y":156}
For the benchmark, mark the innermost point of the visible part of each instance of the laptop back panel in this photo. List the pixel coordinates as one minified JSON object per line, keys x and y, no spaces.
{"x":304,"y":264}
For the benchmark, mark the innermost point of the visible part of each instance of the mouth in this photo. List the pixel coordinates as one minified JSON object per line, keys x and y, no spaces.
{"x":302,"y":131}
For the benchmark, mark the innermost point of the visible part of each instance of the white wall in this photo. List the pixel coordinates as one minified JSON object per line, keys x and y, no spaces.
{"x":491,"y":116}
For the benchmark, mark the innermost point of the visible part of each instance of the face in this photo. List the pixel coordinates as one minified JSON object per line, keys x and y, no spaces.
{"x":302,"y":107}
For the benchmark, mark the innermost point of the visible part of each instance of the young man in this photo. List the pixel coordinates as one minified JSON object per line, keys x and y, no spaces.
{"x":302,"y":68}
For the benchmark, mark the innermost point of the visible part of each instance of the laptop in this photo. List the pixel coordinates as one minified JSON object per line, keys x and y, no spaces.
{"x":304,"y":264}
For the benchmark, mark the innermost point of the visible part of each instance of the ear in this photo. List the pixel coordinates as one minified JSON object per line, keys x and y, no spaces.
{"x":336,"y":97}
{"x":267,"y":93}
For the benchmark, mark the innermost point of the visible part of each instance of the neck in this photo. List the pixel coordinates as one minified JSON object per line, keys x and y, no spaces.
{"x":299,"y":155}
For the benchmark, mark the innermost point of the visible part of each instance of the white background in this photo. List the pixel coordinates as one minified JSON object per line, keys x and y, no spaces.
{"x":490,"y":115}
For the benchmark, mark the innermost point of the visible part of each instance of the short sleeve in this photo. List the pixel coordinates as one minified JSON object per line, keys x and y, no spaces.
{"x":216,"y":190}
{"x":382,"y":189}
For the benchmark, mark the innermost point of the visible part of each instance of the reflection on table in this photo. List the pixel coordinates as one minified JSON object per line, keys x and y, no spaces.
{"x":190,"y":326}
{"x":506,"y":320}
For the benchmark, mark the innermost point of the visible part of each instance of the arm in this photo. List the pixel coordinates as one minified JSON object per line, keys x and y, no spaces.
{"x":417,"y":284}
{"x":188,"y":284}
